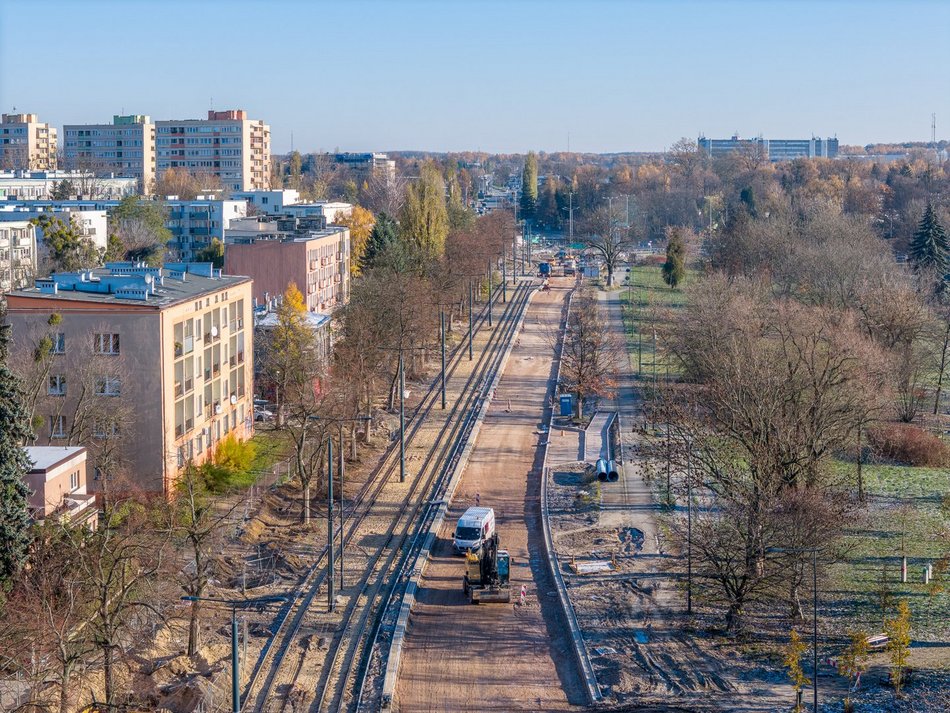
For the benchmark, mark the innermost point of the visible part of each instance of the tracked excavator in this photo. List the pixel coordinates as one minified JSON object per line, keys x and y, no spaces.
{"x":487,"y":573}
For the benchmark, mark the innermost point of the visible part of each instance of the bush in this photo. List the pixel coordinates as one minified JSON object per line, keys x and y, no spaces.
{"x":231,"y":465}
{"x":909,"y":444}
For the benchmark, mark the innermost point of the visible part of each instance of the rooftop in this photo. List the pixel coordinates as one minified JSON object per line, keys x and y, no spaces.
{"x":44,"y":458}
{"x":134,"y":283}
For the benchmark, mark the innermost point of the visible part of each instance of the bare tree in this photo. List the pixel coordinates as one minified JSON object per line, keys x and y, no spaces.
{"x":44,"y":621}
{"x":607,"y":236}
{"x":591,"y":354}
{"x":122,"y":568}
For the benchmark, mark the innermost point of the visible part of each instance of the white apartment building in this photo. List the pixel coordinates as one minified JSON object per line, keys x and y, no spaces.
{"x":193,"y":224}
{"x":227,"y":145}
{"x":91,"y":224}
{"x":17,"y":254}
{"x":39,"y":185}
{"x":126,"y":147}
{"x":26,"y":144}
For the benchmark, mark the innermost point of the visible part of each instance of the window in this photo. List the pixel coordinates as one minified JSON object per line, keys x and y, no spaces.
{"x":59,"y":343}
{"x":57,"y":385}
{"x":105,"y":429}
{"x":108,"y":386}
{"x":74,"y":480}
{"x":57,"y":426}
{"x":105,"y":343}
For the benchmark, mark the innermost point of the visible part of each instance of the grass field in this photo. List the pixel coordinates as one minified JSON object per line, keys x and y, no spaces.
{"x":906,"y":512}
{"x":647,"y":302}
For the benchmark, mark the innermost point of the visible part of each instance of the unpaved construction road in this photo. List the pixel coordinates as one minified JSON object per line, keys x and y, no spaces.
{"x":498,"y":657}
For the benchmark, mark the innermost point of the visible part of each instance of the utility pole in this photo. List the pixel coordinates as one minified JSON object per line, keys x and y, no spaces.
{"x":402,"y":421}
{"x":570,"y":215}
{"x":442,"y":342}
{"x":504,"y":273}
{"x":235,"y":682}
{"x":470,"y":319}
{"x":689,"y":527}
{"x":489,"y":292}
{"x":330,"y":523}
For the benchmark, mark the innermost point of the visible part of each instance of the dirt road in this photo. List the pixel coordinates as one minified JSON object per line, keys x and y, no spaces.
{"x":498,"y":657}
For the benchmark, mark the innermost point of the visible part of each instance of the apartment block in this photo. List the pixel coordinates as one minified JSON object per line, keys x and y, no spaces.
{"x":227,"y":145}
{"x":192,"y":224}
{"x":39,"y":185}
{"x":368,"y":165}
{"x":57,"y":480}
{"x":26,"y":144}
{"x":278,"y":250}
{"x":126,"y":147}
{"x":88,"y":223}
{"x":17,"y":254}
{"x":773,"y":149}
{"x":163,"y":356}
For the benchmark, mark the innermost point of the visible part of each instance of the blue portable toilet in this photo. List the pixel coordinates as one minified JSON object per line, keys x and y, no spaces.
{"x":567,"y":404}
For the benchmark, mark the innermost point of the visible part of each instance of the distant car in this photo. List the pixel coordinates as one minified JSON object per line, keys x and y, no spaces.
{"x":262,"y":414}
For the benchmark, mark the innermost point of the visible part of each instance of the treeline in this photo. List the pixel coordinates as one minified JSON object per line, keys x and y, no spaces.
{"x":801,"y":342}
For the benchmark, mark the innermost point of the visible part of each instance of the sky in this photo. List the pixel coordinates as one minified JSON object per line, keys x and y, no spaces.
{"x":512,"y":76}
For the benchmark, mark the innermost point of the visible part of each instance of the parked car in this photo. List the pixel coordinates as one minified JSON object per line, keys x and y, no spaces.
{"x":262,"y":414}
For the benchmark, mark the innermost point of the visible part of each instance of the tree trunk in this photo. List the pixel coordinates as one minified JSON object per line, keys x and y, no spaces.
{"x":193,"y":628}
{"x":943,"y":365}
{"x":860,"y":464}
{"x":734,"y":619}
{"x":107,"y":673}
{"x":305,"y":515}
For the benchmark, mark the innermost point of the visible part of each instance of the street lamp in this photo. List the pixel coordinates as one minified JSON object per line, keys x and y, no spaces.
{"x":234,"y":604}
{"x":814,"y":571}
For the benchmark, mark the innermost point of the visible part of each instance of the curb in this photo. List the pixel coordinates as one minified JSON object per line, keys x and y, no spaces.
{"x":580,"y":648}
{"x":422,"y":560}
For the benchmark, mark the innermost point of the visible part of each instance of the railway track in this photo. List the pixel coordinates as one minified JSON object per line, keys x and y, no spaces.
{"x":306,"y":639}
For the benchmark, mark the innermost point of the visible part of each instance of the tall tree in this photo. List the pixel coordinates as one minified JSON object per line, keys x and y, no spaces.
{"x":608,"y":238}
{"x":14,"y":464}
{"x":674,"y":269}
{"x":425,"y":220}
{"x":929,"y":249}
{"x":529,"y":186}
{"x":360,"y":222}
{"x":384,"y":234}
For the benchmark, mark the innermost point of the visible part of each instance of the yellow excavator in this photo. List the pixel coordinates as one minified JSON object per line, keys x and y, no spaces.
{"x":487,"y":573}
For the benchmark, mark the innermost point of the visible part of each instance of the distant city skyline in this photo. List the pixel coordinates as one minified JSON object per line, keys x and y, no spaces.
{"x":499,"y":77}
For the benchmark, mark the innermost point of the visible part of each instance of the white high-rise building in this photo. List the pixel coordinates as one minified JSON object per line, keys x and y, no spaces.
{"x":126,"y":147}
{"x":26,"y":144}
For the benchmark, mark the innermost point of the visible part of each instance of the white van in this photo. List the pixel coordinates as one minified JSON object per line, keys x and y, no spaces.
{"x":474,"y":527}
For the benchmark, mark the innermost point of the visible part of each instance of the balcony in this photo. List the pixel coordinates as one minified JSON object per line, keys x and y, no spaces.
{"x":233,"y":360}
{"x":189,"y":385}
{"x":179,"y":431}
{"x":178,"y":389}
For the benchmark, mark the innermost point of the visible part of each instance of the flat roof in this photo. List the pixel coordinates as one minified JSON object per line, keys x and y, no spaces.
{"x":45,"y":458}
{"x":172,"y":292}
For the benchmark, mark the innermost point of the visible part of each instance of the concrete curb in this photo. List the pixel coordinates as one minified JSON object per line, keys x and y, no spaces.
{"x":422,"y":560}
{"x":577,"y":637}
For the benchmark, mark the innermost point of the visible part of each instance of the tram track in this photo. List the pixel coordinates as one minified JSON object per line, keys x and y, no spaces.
{"x":274,"y":683}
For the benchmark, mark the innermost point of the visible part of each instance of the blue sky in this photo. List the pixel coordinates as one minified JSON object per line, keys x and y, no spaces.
{"x":495,"y":76}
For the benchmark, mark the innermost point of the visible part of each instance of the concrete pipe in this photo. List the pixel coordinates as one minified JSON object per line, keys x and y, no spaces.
{"x":614,"y":470}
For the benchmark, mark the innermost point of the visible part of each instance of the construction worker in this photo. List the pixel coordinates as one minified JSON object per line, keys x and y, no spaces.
{"x":478,"y":499}
{"x":524,"y":593}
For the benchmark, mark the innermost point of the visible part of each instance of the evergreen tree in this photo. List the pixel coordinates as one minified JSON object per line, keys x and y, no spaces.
{"x":674,"y":269}
{"x":14,"y":464}
{"x":547,"y":212}
{"x":385,"y":233}
{"x":529,"y":186}
{"x":929,"y":247}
